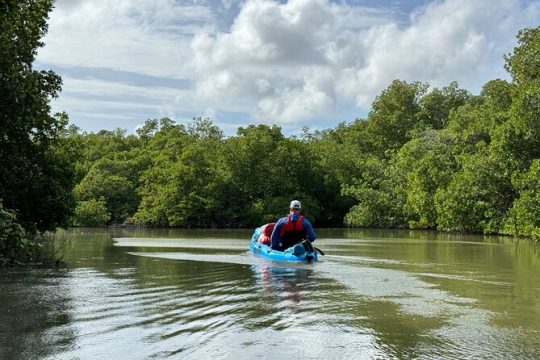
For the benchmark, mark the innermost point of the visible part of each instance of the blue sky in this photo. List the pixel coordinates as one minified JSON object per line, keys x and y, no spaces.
{"x":292,"y":63}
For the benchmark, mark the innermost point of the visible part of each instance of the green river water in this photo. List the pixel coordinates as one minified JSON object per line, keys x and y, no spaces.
{"x":199,"y":294}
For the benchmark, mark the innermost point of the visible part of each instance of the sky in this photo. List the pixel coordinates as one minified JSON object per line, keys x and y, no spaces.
{"x":293,"y":63}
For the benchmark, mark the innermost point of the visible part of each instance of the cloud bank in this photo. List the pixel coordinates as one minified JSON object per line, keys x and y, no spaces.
{"x":286,"y":63}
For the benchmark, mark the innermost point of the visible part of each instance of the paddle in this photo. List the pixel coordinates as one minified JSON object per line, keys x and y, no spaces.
{"x":309,"y":247}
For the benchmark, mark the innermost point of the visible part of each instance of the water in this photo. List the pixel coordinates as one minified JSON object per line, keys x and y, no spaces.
{"x":133,"y":294}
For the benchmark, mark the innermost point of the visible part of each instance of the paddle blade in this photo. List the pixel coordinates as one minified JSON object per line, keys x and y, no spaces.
{"x":318,"y":250}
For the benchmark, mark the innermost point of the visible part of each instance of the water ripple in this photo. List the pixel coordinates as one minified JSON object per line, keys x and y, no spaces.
{"x":202,"y":300}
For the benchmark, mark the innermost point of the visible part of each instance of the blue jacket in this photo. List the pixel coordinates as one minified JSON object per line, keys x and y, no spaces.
{"x":276,"y":237}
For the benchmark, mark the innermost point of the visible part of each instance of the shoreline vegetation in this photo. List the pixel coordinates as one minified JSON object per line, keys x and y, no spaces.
{"x":424,"y":158}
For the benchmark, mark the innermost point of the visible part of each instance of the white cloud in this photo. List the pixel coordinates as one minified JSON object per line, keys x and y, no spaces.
{"x":453,"y":40}
{"x":275,"y":53}
{"x":105,"y":89}
{"x":282,"y":62}
{"x":85,"y":99}
{"x":280,"y":59}
{"x":148,"y":37}
{"x":315,"y":98}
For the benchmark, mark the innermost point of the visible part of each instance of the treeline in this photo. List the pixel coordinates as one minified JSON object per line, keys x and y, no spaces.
{"x":172,"y":175}
{"x":424,"y":158}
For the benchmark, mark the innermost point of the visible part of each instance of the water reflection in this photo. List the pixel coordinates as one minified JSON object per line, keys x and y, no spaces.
{"x":199,"y":294}
{"x":285,"y":284}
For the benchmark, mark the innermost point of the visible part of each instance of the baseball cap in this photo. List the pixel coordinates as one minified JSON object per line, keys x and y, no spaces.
{"x":295,"y":204}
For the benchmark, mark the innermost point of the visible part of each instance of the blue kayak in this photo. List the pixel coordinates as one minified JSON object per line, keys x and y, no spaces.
{"x":296,"y":253}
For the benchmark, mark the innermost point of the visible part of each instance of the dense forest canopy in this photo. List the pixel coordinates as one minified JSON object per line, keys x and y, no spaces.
{"x":423,"y":158}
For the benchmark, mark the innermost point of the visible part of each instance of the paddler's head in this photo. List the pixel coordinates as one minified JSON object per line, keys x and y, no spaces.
{"x":295,"y":207}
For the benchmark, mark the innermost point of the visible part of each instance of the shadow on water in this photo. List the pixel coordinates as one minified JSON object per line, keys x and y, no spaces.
{"x":36,"y":315}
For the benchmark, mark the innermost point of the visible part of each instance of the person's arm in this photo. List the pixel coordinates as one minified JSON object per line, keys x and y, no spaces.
{"x":276,"y":238}
{"x":309,"y":230}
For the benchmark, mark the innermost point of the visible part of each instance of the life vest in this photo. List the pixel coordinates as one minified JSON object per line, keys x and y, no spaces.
{"x":292,"y":232}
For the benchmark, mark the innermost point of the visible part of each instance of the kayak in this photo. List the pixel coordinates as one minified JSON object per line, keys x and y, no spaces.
{"x":296,"y":253}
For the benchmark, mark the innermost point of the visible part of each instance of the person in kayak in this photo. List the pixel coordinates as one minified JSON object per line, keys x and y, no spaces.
{"x":292,"y":229}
